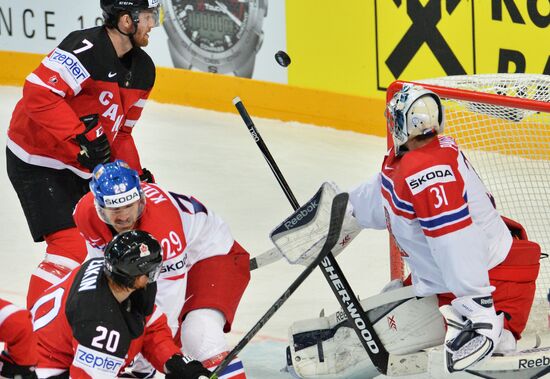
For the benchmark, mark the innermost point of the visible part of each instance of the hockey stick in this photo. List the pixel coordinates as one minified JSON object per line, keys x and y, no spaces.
{"x":266,"y":258}
{"x":330,"y":268}
{"x":337,"y":214}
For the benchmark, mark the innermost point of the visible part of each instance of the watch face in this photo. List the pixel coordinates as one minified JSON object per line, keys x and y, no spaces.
{"x":212,"y":25}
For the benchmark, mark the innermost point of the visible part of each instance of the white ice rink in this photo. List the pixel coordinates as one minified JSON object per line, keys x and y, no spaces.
{"x":211,"y":156}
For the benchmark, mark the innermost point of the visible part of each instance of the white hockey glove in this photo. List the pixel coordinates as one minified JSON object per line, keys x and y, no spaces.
{"x":301,"y":236}
{"x":473,"y":331}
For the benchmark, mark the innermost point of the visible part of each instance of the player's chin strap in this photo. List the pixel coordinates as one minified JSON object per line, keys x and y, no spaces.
{"x":135,"y":20}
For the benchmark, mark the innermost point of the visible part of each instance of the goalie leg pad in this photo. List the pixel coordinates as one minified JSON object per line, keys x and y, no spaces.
{"x":328,"y":347}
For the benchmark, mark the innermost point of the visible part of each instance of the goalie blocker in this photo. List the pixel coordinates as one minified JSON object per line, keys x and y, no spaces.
{"x":301,"y":236}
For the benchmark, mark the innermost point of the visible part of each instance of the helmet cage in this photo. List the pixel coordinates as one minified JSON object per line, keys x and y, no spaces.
{"x":398,"y":115}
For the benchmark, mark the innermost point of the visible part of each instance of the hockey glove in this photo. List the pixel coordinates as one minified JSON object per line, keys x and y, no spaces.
{"x":93,"y":142}
{"x":146,"y":176}
{"x":12,"y":370}
{"x":183,"y":367}
{"x":473,"y":331}
{"x":301,"y":236}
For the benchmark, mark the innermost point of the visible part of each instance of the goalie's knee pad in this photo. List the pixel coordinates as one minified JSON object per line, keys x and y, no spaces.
{"x":327,"y":347}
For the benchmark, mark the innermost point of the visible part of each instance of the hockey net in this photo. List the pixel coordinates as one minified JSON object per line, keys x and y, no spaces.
{"x":502,"y":123}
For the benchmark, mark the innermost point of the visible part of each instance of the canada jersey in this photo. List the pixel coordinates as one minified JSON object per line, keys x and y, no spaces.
{"x":441,"y":217}
{"x":187,"y":231}
{"x":81,"y":327}
{"x":82,"y":76}
{"x":16,"y":331}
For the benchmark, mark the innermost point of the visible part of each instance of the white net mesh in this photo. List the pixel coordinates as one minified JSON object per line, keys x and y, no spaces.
{"x":510,"y":148}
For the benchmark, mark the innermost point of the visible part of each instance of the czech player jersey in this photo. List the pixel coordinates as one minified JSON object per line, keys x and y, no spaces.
{"x":81,"y":327}
{"x":440,"y":215}
{"x":82,"y":76}
{"x":187,"y":231}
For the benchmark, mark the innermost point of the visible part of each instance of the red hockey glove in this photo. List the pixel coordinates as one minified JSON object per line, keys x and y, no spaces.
{"x":93,"y":142}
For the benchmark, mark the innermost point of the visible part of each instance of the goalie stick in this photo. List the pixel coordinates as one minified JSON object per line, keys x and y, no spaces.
{"x":338,"y":211}
{"x":266,"y":258}
{"x":329,"y":266}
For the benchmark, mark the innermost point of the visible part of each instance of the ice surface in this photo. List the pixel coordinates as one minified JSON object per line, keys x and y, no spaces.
{"x":211,"y":156}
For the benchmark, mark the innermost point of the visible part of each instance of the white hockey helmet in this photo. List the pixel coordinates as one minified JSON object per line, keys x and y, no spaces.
{"x":413,"y":111}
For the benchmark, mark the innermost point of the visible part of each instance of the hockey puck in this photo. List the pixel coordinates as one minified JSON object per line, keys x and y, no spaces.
{"x":282,"y":58}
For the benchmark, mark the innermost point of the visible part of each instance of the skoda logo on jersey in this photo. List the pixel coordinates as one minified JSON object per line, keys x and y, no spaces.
{"x":121,"y":199}
{"x":430,"y":176}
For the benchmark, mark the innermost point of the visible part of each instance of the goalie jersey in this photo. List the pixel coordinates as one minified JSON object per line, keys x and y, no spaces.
{"x":439,"y":214}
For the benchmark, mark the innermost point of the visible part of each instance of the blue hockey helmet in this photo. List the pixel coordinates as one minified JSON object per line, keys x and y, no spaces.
{"x":115,"y":185}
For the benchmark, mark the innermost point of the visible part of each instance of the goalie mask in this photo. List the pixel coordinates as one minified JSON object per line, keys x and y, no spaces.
{"x":413,"y":111}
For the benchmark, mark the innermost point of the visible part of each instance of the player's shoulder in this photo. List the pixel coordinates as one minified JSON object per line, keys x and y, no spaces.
{"x":441,"y":151}
{"x":86,"y":42}
{"x":89,"y":297}
{"x":143,"y":67}
{"x":84,"y":206}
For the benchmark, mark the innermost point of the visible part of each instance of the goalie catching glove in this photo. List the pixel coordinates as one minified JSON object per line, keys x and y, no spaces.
{"x":473,"y":331}
{"x":301,"y":236}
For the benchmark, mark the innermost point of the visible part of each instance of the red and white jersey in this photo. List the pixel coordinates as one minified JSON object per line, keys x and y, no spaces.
{"x":16,"y":331}
{"x":83,"y":329}
{"x":82,"y":76}
{"x":186,"y":230}
{"x":440,"y":215}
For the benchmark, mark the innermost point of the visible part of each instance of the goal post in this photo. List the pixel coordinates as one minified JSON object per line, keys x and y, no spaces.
{"x":502,"y":123}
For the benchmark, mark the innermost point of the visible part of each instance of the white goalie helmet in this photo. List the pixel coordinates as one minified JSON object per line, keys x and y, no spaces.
{"x":413,"y":111}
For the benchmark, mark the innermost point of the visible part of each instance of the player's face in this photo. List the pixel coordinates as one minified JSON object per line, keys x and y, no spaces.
{"x":147,"y":21}
{"x":141,"y":282}
{"x":123,"y":218}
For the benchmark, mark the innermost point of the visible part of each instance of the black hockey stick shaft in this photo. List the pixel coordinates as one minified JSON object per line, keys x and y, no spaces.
{"x":337,"y":214}
{"x":265,"y":151}
{"x":351,"y":306}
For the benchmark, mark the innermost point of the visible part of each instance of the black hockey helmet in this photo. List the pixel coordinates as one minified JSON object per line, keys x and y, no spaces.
{"x":112,"y":9}
{"x":131,"y":254}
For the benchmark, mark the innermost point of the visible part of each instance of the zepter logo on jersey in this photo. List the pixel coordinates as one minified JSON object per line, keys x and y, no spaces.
{"x":430,"y":176}
{"x":68,"y":66}
{"x":96,"y":363}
